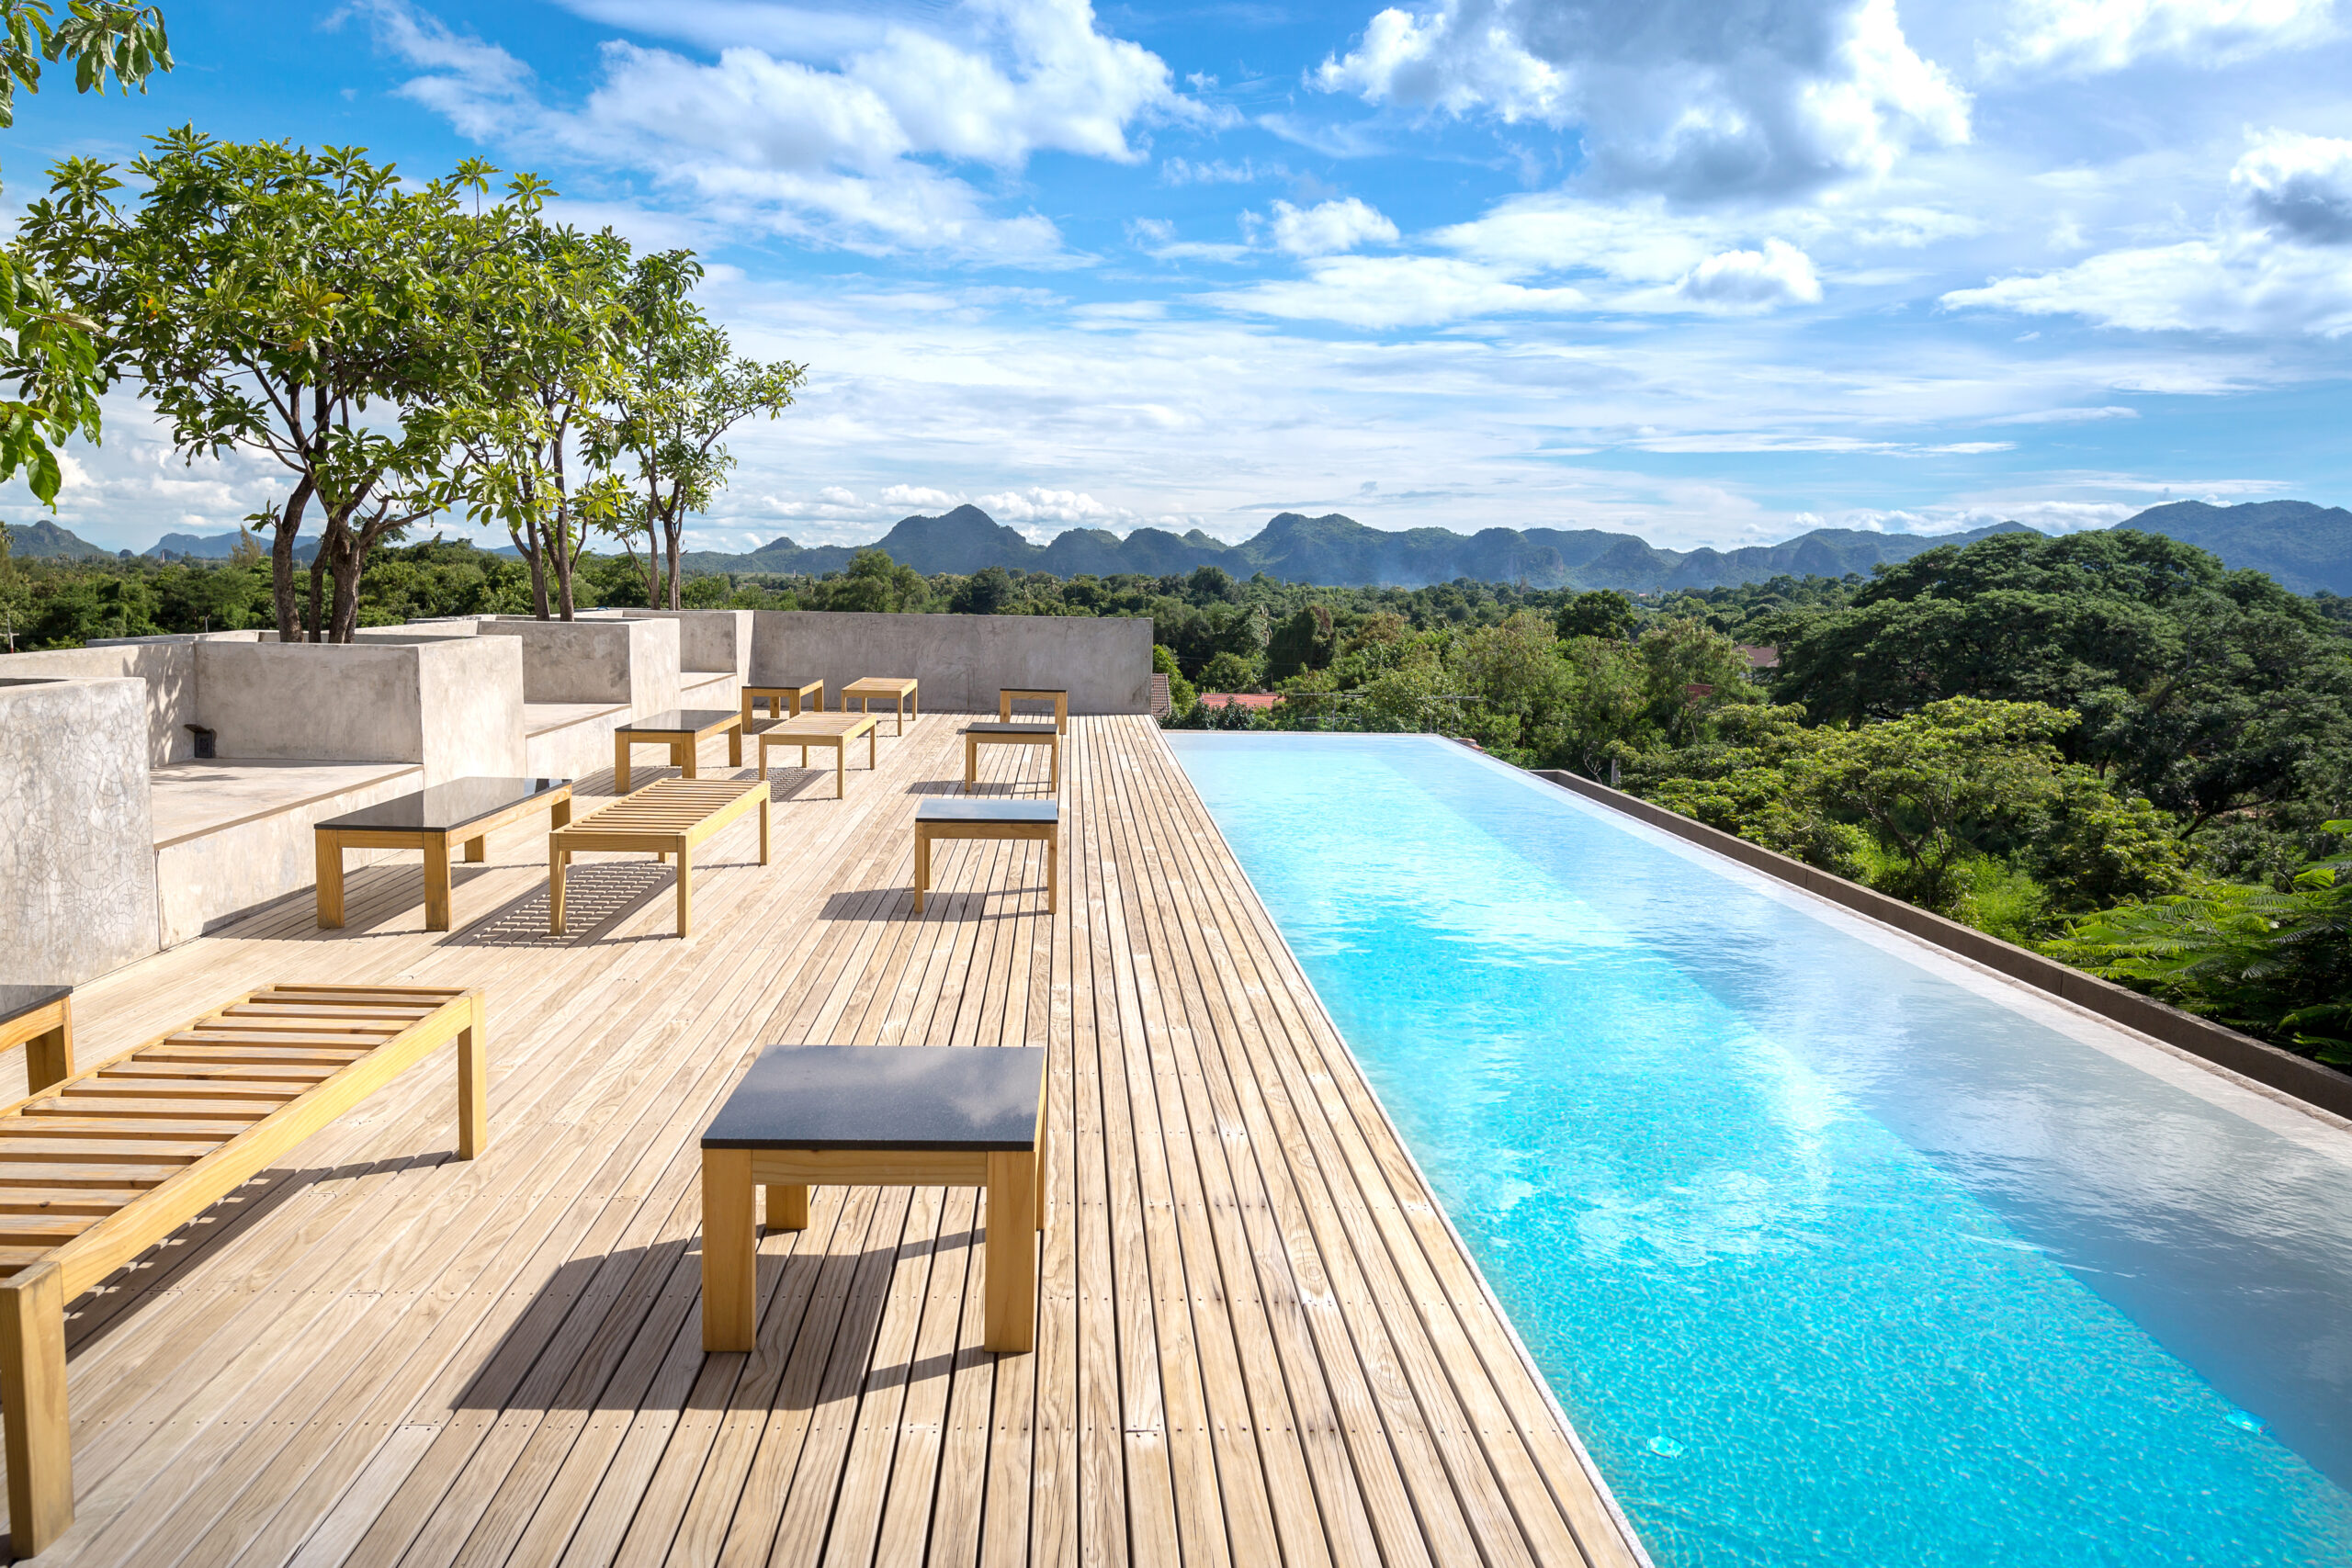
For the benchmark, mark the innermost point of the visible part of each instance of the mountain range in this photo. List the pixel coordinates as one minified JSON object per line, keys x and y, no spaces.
{"x":2306,"y":547}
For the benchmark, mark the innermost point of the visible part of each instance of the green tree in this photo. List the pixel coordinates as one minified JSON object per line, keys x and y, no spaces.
{"x":987,"y":591}
{"x":2276,"y":964}
{"x":683,"y":388}
{"x":550,"y":360}
{"x":47,"y":347}
{"x":1232,"y":671}
{"x":2207,"y":691}
{"x":308,"y":307}
{"x":1181,"y":694}
{"x":1302,"y":641}
{"x":1603,"y":613}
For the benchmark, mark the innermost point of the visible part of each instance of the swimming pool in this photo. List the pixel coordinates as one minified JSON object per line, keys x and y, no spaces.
{"x":1835,"y":1249}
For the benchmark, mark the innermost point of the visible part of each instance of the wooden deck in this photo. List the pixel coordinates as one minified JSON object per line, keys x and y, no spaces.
{"x":1257,"y":1342}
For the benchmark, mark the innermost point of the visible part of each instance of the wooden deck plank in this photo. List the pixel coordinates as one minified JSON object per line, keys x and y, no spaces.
{"x":1257,"y":1342}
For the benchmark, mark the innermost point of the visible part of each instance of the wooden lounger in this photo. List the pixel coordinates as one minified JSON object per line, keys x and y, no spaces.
{"x":669,"y":817}
{"x":98,"y":1168}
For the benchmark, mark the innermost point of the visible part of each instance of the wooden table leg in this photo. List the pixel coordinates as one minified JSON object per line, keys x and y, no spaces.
{"x":620,"y":764}
{"x":1053,"y":876}
{"x":559,"y":814}
{"x":873,"y":738}
{"x":971,"y":761}
{"x":478,"y":848}
{"x":1004,"y":707}
{"x":922,"y":865}
{"x":49,"y":1055}
{"x":1011,"y":1283}
{"x":788,"y":1208}
{"x":841,"y":770}
{"x":1061,"y":714}
{"x":686,"y":896}
{"x":1054,"y":746}
{"x":764,"y":803}
{"x":436,"y":883}
{"x":730,"y":1252}
{"x":555,"y":891}
{"x":473,"y":1082}
{"x":330,"y":849}
{"x":681,"y":757}
{"x":32,"y":1406}
{"x":735,"y":747}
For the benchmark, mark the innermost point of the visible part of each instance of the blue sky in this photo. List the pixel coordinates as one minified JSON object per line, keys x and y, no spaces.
{"x":1709,"y":274}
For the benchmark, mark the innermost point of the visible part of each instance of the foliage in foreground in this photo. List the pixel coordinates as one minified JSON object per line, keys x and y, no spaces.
{"x":2275,"y":964}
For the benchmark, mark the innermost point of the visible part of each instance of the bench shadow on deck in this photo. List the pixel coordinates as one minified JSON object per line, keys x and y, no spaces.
{"x":1257,"y":1342}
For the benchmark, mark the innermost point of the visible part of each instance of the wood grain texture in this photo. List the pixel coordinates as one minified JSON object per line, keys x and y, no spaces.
{"x":1255,"y":1339}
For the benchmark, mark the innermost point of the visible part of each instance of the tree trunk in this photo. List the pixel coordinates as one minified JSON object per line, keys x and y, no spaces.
{"x":318,"y":575}
{"x":653,"y":565}
{"x":672,"y":530}
{"x":281,"y":561}
{"x":534,"y":552}
{"x":560,"y":539}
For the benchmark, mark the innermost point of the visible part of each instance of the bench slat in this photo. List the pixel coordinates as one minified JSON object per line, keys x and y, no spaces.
{"x":206,"y":1107}
{"x":89,"y":1177}
{"x":99,"y":1200}
{"x":18,"y":1128}
{"x":102,"y":1151}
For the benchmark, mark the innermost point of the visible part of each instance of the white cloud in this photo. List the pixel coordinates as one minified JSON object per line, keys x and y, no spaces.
{"x":1386,"y":292}
{"x":2300,"y":185}
{"x":2086,"y":37}
{"x":2273,"y":265}
{"x":1329,"y":227}
{"x":1685,"y":97}
{"x":1218,"y":172}
{"x":1038,"y":504}
{"x":920,"y":498}
{"x":844,"y":152}
{"x":1780,"y":274}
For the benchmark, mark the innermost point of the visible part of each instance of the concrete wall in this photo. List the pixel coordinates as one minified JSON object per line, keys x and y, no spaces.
{"x":454,"y":704}
{"x":962,"y":661}
{"x":633,"y":663}
{"x":77,"y":866}
{"x":708,"y":639}
{"x":166,"y":664}
{"x":218,"y":875}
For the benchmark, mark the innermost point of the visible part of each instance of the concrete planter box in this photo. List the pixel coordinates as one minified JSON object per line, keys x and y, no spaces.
{"x":962,"y":661}
{"x":454,"y":705}
{"x":630,"y":663}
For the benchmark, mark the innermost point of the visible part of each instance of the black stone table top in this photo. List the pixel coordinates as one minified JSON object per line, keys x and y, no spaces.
{"x":446,"y":807}
{"x":1013,"y":727}
{"x":682,"y":721}
{"x":967,"y":1098}
{"x":984,"y":808}
{"x":1034,"y":691}
{"x":18,"y":1000}
{"x":787,"y":684}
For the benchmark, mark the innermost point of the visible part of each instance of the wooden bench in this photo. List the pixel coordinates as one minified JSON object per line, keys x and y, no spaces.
{"x":434,"y":820}
{"x":682,"y":731}
{"x":97,"y":1167}
{"x":668,"y":817}
{"x":876,"y":1116}
{"x":1058,"y":695}
{"x":906,"y":702}
{"x":978,"y":735}
{"x":833,"y":729}
{"x":808,"y":695}
{"x":40,"y":1019}
{"x":1038,"y":821}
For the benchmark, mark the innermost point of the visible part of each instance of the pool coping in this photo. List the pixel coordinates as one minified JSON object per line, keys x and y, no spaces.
{"x":2311,"y":1083}
{"x":1526,"y":1358}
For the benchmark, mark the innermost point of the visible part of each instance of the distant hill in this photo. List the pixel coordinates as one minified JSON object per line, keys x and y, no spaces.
{"x":2306,"y":547}
{"x":221,"y":547}
{"x":1335,"y":549}
{"x":47,"y":541}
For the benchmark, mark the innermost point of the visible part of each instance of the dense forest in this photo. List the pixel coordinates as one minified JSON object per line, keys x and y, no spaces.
{"x":2108,"y":746}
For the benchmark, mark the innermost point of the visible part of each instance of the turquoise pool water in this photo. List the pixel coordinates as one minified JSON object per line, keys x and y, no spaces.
{"x":1832,"y":1254}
